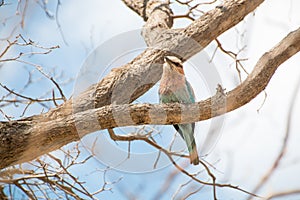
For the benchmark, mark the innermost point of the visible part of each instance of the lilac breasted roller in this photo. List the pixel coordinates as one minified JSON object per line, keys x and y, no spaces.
{"x":175,"y":88}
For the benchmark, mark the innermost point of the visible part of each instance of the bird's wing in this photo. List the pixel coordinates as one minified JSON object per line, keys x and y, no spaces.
{"x":185,"y":94}
{"x":190,"y":91}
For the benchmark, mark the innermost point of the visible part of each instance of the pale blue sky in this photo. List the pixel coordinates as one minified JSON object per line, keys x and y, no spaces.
{"x":249,"y":140}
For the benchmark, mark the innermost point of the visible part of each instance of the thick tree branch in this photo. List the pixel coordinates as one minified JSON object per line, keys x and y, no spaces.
{"x":139,"y":7}
{"x":146,"y":68}
{"x":135,"y":114}
{"x":206,"y":109}
{"x":56,"y":128}
{"x":42,"y":134}
{"x":157,"y":14}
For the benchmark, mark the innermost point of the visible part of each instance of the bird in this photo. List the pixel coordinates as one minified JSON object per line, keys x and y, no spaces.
{"x":173,"y":88}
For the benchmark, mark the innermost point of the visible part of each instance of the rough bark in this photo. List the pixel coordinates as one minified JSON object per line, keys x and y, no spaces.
{"x":24,"y":140}
{"x":135,"y":114}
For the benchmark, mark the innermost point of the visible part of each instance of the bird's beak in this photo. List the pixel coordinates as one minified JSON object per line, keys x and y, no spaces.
{"x":167,"y":60}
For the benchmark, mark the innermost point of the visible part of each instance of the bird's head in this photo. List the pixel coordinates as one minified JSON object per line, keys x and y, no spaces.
{"x":174,"y":64}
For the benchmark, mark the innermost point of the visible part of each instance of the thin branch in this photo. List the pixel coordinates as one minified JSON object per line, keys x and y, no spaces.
{"x":283,"y":194}
{"x":193,"y":192}
{"x":283,"y":149}
{"x":25,"y":97}
{"x":193,"y":9}
{"x":234,"y":56}
{"x":179,"y":168}
{"x":24,"y":13}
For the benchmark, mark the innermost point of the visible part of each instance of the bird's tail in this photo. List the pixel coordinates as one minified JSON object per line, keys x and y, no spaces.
{"x":194,"y":153}
{"x":186,"y":131}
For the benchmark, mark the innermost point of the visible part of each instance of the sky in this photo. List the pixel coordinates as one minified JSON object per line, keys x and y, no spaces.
{"x":247,"y":140}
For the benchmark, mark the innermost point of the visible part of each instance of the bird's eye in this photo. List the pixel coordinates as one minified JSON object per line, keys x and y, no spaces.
{"x":178,"y":65}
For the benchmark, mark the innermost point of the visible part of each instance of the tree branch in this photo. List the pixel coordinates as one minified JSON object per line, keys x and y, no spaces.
{"x":51,"y":134}
{"x":146,"y":68}
{"x":135,"y":114}
{"x":56,"y":128}
{"x":283,"y":148}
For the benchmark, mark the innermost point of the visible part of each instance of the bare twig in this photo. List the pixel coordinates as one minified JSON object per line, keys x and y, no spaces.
{"x":169,"y":155}
{"x":52,"y":175}
{"x":283,"y":194}
{"x":238,"y":61}
{"x":193,"y":9}
{"x":5,"y":115}
{"x":283,"y":149}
